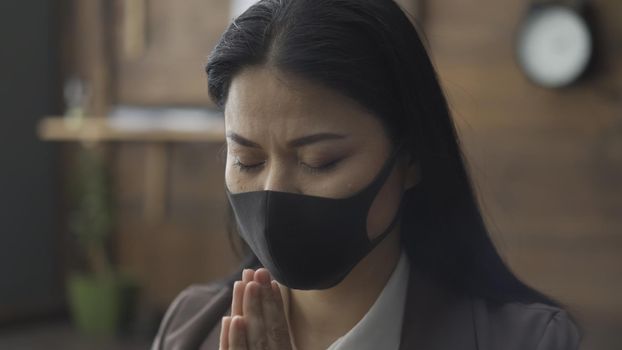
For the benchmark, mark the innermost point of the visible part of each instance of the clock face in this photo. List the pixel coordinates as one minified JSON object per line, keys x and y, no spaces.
{"x":554,"y":46}
{"x":237,"y":7}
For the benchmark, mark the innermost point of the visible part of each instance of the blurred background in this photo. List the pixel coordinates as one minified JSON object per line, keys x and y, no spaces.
{"x":111,"y":180}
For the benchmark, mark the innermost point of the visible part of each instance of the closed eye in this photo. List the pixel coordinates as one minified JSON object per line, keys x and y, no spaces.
{"x":322,"y":168}
{"x":247,"y":168}
{"x":312,"y":169}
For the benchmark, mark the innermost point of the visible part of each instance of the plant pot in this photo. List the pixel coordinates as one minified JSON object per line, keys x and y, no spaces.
{"x":101,"y":305}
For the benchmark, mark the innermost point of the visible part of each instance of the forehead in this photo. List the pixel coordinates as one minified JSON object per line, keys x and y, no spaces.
{"x":261,"y":99}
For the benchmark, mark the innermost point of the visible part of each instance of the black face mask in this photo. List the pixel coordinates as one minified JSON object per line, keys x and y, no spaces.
{"x":310,"y":242}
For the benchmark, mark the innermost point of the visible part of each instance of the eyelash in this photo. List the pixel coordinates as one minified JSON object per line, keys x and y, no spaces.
{"x":314,"y":170}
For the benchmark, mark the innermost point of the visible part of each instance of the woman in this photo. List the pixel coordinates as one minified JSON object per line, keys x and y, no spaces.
{"x":347,"y":182}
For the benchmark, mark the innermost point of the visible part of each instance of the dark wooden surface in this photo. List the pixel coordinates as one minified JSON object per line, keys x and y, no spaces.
{"x":547,"y":163}
{"x":61,"y":335}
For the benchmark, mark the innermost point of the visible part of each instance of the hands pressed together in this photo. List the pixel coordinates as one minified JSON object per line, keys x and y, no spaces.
{"x":257,"y":320}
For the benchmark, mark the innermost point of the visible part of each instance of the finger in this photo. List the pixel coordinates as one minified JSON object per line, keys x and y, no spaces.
{"x":262,"y":276}
{"x":255,"y":330}
{"x":238,"y":295}
{"x":274,"y":318}
{"x":272,"y":288}
{"x":247,"y":275}
{"x":237,"y":334}
{"x":273,"y":311}
{"x":277,"y":293}
{"x":238,"y":292}
{"x":224,"y":333}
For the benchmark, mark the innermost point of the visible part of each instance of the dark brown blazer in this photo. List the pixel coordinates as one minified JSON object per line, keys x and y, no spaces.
{"x":434,"y":319}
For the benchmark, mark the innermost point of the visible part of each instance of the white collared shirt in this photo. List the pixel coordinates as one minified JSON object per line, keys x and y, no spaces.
{"x":381,"y":327}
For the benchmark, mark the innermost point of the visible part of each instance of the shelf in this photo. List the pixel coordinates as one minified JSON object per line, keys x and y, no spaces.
{"x":102,"y":129}
{"x":157,"y":132}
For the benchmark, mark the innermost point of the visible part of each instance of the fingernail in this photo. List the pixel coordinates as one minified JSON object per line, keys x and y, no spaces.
{"x":239,"y":321}
{"x":264,"y":277}
{"x":247,"y":272}
{"x":251,"y":288}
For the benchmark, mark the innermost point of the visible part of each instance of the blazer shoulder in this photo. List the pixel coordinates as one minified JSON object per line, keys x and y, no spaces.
{"x":191,"y":315}
{"x":516,"y":325}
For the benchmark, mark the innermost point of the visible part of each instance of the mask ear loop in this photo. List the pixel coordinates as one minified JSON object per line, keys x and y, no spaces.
{"x":398,"y":149}
{"x":415,"y":160}
{"x":398,"y":214}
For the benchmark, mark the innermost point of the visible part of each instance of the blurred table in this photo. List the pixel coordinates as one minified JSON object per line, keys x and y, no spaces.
{"x":62,"y":336}
{"x":157,"y":127}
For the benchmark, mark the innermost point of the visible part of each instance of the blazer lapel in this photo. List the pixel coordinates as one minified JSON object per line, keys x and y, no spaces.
{"x":212,"y":341}
{"x":436,"y":319}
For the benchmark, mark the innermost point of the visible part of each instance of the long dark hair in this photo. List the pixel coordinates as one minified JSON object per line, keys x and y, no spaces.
{"x":369,"y":50}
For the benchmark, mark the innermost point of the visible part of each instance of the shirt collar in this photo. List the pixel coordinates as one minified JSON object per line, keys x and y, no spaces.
{"x":435,"y":317}
{"x":380,"y":327}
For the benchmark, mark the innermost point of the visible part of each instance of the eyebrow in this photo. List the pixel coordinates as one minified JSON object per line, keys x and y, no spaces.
{"x":298,"y":142}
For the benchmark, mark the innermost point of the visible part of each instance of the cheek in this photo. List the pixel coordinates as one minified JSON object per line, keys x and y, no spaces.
{"x":384,"y":206}
{"x":230,"y":176}
{"x":233,"y":179}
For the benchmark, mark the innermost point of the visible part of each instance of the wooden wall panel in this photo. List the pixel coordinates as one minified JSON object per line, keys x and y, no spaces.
{"x":190,"y":243}
{"x":179,"y":37}
{"x":547,"y":163}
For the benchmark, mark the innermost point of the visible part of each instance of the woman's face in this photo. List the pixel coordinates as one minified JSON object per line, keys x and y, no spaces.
{"x":290,"y":135}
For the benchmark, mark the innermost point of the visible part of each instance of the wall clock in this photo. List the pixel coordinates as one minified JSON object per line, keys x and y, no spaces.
{"x":237,"y":7}
{"x":554,"y":44}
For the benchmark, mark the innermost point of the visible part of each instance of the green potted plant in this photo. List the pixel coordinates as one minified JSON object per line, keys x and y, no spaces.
{"x":99,"y":296}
